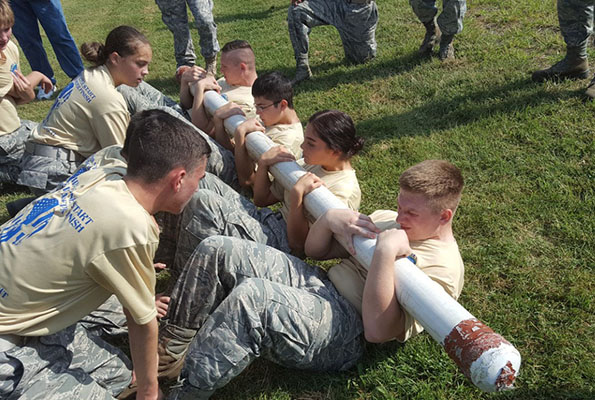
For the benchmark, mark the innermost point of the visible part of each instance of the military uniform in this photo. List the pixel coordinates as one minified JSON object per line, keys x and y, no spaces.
{"x":450,"y":20}
{"x":175,"y":17}
{"x":248,"y":300}
{"x":88,"y":115}
{"x":355,"y":20}
{"x":576,"y":22}
{"x":13,"y":132}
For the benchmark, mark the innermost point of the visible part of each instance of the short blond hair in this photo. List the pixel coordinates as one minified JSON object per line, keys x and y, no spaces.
{"x":439,"y":181}
{"x":6,"y":15}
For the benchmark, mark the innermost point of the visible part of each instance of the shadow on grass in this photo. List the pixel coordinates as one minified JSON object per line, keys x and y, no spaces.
{"x":249,"y":16}
{"x":357,"y":73}
{"x":442,"y":113}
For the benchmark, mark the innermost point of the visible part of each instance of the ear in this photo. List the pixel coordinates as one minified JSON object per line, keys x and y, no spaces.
{"x":176,"y":177}
{"x":283,"y":104}
{"x":243,"y":66}
{"x":114,"y":58}
{"x":445,"y":216}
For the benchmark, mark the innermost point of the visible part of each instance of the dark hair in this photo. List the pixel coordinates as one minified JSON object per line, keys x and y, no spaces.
{"x":157,"y":142}
{"x":124,"y":40}
{"x":235,"y":45}
{"x":336,"y":129}
{"x":274,"y":87}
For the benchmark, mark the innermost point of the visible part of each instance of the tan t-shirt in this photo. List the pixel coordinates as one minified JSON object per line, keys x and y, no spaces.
{"x":241,"y":95}
{"x":66,"y":253}
{"x":289,"y":135}
{"x":343,"y":184}
{"x":9,"y":61}
{"x":88,"y":115}
{"x":441,"y":261}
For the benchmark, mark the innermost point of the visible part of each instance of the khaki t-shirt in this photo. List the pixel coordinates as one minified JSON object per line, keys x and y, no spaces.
{"x":343,"y":184}
{"x":441,"y":261}
{"x":9,"y":61}
{"x":66,"y":253}
{"x":88,"y":115}
{"x":241,"y":95}
{"x":289,"y":135}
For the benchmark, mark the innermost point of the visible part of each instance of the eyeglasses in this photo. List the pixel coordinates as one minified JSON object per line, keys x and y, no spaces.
{"x":262,"y":108}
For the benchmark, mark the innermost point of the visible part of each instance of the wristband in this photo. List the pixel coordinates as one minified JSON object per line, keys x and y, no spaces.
{"x":413,"y":258}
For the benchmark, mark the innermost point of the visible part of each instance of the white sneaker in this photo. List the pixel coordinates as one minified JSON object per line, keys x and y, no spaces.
{"x":41,"y":95}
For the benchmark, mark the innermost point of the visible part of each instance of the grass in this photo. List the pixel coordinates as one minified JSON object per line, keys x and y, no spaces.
{"x":525,"y":226}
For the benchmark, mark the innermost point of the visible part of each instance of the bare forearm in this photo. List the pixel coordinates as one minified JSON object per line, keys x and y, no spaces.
{"x":381,"y":313}
{"x":244,"y":164}
{"x":297,"y":227}
{"x":143,"y":348}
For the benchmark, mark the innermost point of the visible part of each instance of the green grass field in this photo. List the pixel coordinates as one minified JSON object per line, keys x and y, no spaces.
{"x":525,"y":225}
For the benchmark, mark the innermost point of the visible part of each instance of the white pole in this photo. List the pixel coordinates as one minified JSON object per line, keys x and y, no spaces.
{"x":485,"y":357}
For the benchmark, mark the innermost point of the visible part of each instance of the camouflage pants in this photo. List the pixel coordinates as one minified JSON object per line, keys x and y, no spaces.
{"x":73,"y":363}
{"x":248,"y":300}
{"x":12,"y":147}
{"x":43,"y":174}
{"x":175,"y":17}
{"x":576,"y":22}
{"x":217,"y":209}
{"x":356,"y":24}
{"x":450,"y":20}
{"x":145,"y":97}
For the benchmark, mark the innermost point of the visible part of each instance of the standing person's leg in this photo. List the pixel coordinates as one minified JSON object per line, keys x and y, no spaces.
{"x":576,"y":24}
{"x":26,"y":30}
{"x":51,"y":18}
{"x":425,"y":11}
{"x":202,"y":10}
{"x":175,"y":17}
{"x":301,"y":18}
{"x":450,"y":22}
{"x":357,"y":28}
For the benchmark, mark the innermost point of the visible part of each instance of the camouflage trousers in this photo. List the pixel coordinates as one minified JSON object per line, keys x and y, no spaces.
{"x":43,"y":174}
{"x":450,"y":20}
{"x":12,"y":148}
{"x":576,"y":22}
{"x":217,"y":209}
{"x":75,"y":363}
{"x":356,"y":24}
{"x":145,"y":97}
{"x":249,"y":300}
{"x":175,"y":17}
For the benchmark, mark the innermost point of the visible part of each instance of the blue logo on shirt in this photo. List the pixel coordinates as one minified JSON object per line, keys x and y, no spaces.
{"x":61,"y":99}
{"x":25,"y":225}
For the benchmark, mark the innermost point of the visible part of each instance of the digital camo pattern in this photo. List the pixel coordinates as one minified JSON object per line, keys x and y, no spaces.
{"x":450,"y":20}
{"x":221,"y":161}
{"x":576,"y":22}
{"x":12,"y":148}
{"x":356,"y":24}
{"x":249,"y":300}
{"x":175,"y":17}
{"x":217,"y":209}
{"x":74,"y":363}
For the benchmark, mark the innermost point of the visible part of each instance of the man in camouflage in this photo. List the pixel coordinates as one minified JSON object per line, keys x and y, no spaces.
{"x":240,"y":300}
{"x":442,"y":30}
{"x":175,"y":17}
{"x":576,"y":25}
{"x":356,"y":21}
